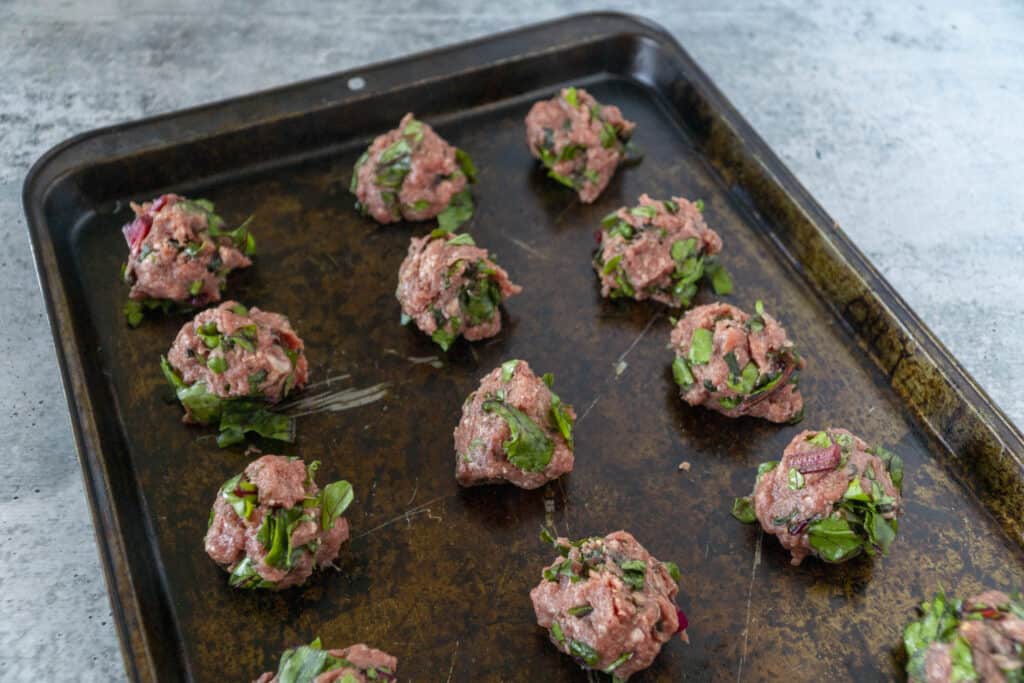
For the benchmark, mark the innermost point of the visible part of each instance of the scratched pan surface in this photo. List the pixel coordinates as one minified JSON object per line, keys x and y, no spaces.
{"x":439,"y":575}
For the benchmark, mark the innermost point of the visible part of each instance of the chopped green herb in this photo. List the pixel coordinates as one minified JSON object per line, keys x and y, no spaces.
{"x":217,"y":363}
{"x":673,"y":571}
{"x":644,"y":211}
{"x":634,"y":572}
{"x":610,"y":266}
{"x":568,"y":182}
{"x":820,"y":439}
{"x":683,"y":249}
{"x":195,"y":287}
{"x":463,"y":240}
{"x":795,"y":479}
{"x":721,"y":282}
{"x":699,"y":204}
{"x":466,"y":164}
{"x":241,"y":495}
{"x":700,"y":346}
{"x":743,"y":510}
{"x":622,"y":659}
{"x":571,"y":97}
{"x":459,"y":210}
{"x":580,"y":611}
{"x":681,"y":372}
{"x":239,"y":309}
{"x":583,"y":651}
{"x":414,"y":130}
{"x":766,"y":467}
{"x":133,"y":313}
{"x":508,"y":368}
{"x":556,"y":632}
{"x":834,"y":540}
{"x":241,"y":416}
{"x":671,"y":206}
{"x":334,"y":500}
{"x":893,"y":463}
{"x":527,"y":447}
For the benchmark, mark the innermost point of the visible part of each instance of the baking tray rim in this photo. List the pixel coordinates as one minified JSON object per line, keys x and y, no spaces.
{"x":47,"y":171}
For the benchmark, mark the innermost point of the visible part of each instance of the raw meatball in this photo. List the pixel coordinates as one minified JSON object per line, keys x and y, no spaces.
{"x":514,"y":429}
{"x":233,"y":352}
{"x":353,"y":664}
{"x":608,"y":603}
{"x":979,"y":639}
{"x":412,"y":173}
{"x":831,"y":496}
{"x":658,"y":250}
{"x":271,"y":525}
{"x":449,"y":287}
{"x":737,"y":364}
{"x":180,"y":253}
{"x":580,"y":141}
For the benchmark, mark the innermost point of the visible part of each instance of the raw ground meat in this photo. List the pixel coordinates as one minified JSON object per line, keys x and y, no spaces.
{"x":359,"y":662}
{"x":450,"y":287}
{"x":657,"y":250}
{"x":481,"y":456}
{"x":607,"y":603}
{"x":240,"y":352}
{"x":750,"y":367}
{"x":579,"y":140}
{"x":987,"y":630}
{"x":828,"y":476}
{"x":409,"y":172}
{"x":274,"y":487}
{"x":178,"y":252}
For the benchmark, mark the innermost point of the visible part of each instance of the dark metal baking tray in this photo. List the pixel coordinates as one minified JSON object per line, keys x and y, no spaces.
{"x":439,"y":575}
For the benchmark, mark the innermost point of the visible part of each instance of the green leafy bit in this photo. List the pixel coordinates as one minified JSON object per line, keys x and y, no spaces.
{"x":133,"y":313}
{"x":683,"y":249}
{"x":671,"y":206}
{"x":508,"y":368}
{"x":217,"y":363}
{"x":444,"y":337}
{"x":609,"y":135}
{"x":275,"y":534}
{"x":571,"y":97}
{"x":634,"y":572}
{"x":240,"y":416}
{"x":465,"y":239}
{"x":756,"y":321}
{"x":556,"y":633}
{"x":334,"y":500}
{"x":480,"y":297}
{"x":699,"y":204}
{"x":580,"y":611}
{"x":795,"y":479}
{"x":648,"y":212}
{"x":244,"y":575}
{"x":673,"y":571}
{"x":622,"y":659}
{"x":527,"y":447}
{"x":135,"y":309}
{"x":681,"y":373}
{"x":821,"y":440}
{"x":568,"y":182}
{"x":241,"y":495}
{"x":239,"y":309}
{"x":743,"y":510}
{"x":458,"y":211}
{"x":700,"y":346}
{"x":303,"y":664}
{"x":893,"y":463}
{"x":466,"y":164}
{"x":611,"y":265}
{"x":414,"y":130}
{"x":938,"y":624}
{"x":766,"y":467}
{"x":561,"y":417}
{"x":721,"y":282}
{"x":584,"y":652}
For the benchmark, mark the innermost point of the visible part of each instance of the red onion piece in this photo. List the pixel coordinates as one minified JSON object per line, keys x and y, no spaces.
{"x":683,"y":621}
{"x":818,"y":460}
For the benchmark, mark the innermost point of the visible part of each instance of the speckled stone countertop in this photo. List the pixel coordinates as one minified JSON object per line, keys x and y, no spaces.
{"x":903,"y":119}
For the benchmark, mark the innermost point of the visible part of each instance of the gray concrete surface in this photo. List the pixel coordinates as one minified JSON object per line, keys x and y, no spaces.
{"x":903,"y":119}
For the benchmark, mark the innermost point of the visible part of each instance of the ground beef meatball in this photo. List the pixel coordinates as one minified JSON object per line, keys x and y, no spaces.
{"x":232,"y":352}
{"x":449,"y":287}
{"x":514,"y":428}
{"x":579,"y":140}
{"x":180,"y":254}
{"x":607,"y":603}
{"x":271,"y":525}
{"x":353,"y":664}
{"x":830,"y":496}
{"x":658,"y":250}
{"x":978,"y":639}
{"x":737,"y":364}
{"x":411,"y":173}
